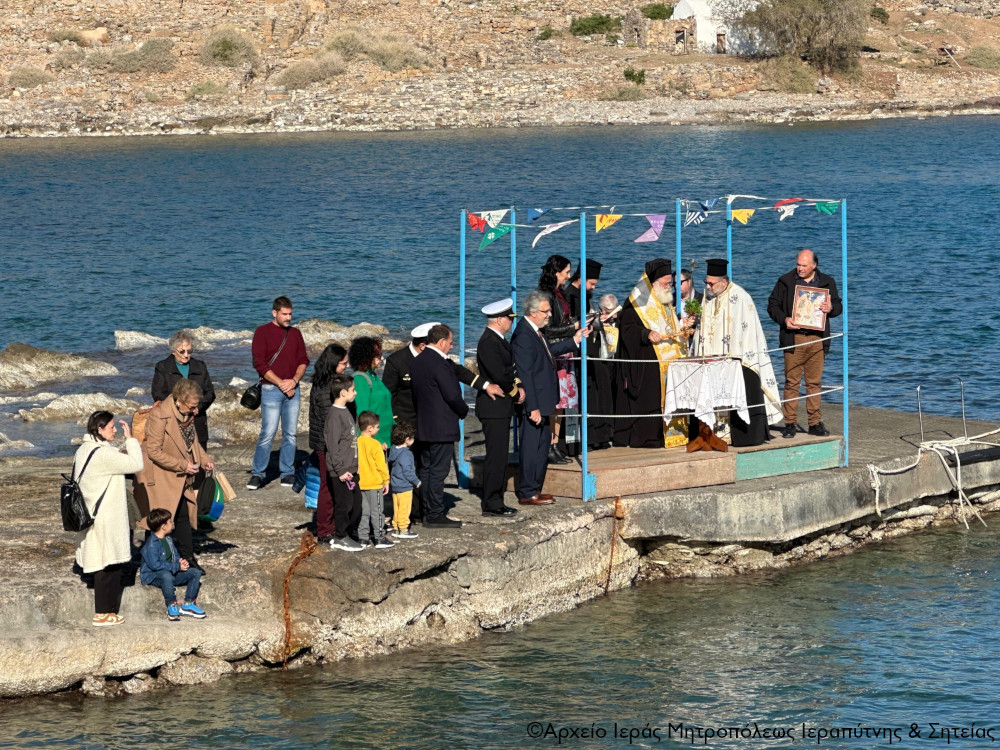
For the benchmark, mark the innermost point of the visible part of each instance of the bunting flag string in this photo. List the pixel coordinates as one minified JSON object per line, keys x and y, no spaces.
{"x":603,"y":221}
{"x":550,"y":228}
{"x":494,"y":217}
{"x":652,"y":234}
{"x":828,"y":207}
{"x":495,"y":233}
{"x":742,"y":215}
{"x":694,"y":217}
{"x":476,"y":222}
{"x":534,"y":214}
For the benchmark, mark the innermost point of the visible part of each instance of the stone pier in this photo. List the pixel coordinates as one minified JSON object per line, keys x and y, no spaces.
{"x":447,"y":585}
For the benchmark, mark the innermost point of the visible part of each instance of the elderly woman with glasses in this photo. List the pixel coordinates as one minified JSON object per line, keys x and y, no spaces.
{"x":173,"y":460}
{"x":180,"y":364}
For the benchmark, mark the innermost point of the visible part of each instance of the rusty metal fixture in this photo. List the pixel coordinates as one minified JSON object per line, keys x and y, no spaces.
{"x":306,"y":547}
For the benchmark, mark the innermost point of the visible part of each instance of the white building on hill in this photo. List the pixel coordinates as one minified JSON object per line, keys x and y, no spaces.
{"x":715,"y":30}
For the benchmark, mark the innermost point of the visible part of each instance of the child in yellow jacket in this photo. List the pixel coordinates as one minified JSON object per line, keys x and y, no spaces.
{"x":374,"y":482}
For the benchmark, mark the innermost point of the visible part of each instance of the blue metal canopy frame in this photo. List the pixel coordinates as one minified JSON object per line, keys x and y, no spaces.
{"x":588,"y":481}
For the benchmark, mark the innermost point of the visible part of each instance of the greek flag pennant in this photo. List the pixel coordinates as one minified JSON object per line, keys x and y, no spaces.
{"x":828,"y":207}
{"x":534,"y":214}
{"x":477,"y":222}
{"x":694,"y":217}
{"x":786,"y":208}
{"x":549,"y":229}
{"x":655,"y":228}
{"x":495,"y":233}
{"x":742,"y":215}
{"x":494,"y":217}
{"x":603,"y":221}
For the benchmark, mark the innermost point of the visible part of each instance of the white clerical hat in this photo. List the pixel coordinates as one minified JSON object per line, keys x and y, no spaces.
{"x":501,"y":309}
{"x":421,"y":331}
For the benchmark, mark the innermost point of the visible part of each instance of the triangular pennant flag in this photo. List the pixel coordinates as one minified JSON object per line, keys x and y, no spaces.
{"x":694,"y":217}
{"x":655,"y":228}
{"x":603,"y":221}
{"x":495,"y":233}
{"x":549,"y":229}
{"x":785,"y":202}
{"x":708,"y":204}
{"x":828,"y":207}
{"x":742,"y":215}
{"x":786,"y":211}
{"x":534,"y":214}
{"x":493,"y":217}
{"x":477,"y":222}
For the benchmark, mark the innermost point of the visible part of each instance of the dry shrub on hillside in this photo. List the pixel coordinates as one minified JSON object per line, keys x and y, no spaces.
{"x":390,"y":52}
{"x":67,"y":58}
{"x":624,"y":94}
{"x":788,"y":74}
{"x":229,"y":48}
{"x":206,"y":90}
{"x":28,"y":78}
{"x":99,"y":61}
{"x":154,"y":56}
{"x":983,"y":56}
{"x":317,"y":70}
{"x":67,"y":35}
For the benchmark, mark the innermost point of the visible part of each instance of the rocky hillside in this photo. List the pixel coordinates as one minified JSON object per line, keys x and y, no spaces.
{"x":148,"y":66}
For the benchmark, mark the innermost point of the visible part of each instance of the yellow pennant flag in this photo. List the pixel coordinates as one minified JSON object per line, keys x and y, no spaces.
{"x":603,"y":221}
{"x":742,"y":215}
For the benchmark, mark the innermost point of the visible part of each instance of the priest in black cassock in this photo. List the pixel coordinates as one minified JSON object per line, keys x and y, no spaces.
{"x":600,"y":385}
{"x":648,"y":330}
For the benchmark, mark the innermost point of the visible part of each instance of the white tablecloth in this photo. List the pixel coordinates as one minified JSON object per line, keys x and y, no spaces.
{"x":703,"y":387}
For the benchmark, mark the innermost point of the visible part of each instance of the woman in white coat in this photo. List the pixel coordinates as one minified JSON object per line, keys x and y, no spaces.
{"x":105,"y":547}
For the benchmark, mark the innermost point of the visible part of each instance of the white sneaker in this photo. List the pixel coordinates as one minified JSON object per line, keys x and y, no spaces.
{"x":347,"y":544}
{"x":404,"y":534}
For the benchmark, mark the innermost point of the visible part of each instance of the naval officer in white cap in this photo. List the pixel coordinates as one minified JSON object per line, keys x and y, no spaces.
{"x":495,"y":360}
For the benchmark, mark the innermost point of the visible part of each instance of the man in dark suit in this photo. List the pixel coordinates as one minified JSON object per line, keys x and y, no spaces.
{"x":495,"y":360}
{"x":534,"y":359}
{"x":437,"y":396}
{"x":396,"y":376}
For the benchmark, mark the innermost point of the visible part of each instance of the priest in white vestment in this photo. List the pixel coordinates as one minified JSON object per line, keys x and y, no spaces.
{"x":730,"y":327}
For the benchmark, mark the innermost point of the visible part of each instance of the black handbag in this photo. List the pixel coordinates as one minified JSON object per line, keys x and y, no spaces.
{"x":75,"y":516}
{"x":251,"y":396}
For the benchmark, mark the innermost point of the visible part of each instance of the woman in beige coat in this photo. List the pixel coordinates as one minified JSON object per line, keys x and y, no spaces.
{"x":173,"y":457}
{"x":106,"y":546}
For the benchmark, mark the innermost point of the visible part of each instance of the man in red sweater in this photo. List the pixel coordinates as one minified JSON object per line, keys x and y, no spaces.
{"x":279,"y":356}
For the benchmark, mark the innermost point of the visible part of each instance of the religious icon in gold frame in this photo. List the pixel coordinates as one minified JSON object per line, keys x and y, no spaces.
{"x":806,"y":310}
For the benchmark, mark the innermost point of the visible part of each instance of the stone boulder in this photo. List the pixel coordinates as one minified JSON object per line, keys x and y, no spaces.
{"x":127,"y":341}
{"x":194,"y":670}
{"x":23,"y":366}
{"x":80,"y":406}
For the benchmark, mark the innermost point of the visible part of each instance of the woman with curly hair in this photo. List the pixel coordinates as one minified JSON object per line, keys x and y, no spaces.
{"x":555,"y":273}
{"x":365,"y":356}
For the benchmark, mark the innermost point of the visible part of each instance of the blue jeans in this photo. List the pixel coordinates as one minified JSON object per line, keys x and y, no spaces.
{"x":167,"y":582}
{"x":275,"y":405}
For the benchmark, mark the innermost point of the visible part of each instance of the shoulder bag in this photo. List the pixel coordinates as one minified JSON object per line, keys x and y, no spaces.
{"x":251,"y":396}
{"x":75,"y":516}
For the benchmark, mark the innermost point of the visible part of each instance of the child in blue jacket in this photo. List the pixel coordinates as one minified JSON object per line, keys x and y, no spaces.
{"x":402,"y":479}
{"x":163,"y":567}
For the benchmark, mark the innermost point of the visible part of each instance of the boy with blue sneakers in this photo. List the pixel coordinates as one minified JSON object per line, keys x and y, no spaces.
{"x":163,"y":567}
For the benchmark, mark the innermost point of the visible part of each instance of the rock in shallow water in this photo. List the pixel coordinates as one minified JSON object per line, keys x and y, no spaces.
{"x":23,"y":366}
{"x":80,"y":405}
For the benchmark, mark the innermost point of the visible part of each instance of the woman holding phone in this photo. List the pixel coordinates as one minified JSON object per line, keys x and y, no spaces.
{"x":173,"y":457}
{"x":105,"y":547}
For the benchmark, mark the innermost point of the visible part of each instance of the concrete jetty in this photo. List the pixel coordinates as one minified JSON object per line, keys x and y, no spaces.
{"x":447,"y":585}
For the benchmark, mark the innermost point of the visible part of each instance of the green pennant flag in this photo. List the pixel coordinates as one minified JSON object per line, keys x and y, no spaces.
{"x":494,"y":234}
{"x":828,"y":207}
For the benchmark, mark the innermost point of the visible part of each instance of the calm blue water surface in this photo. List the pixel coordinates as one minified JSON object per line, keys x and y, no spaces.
{"x":157,"y":233}
{"x":899,"y":634}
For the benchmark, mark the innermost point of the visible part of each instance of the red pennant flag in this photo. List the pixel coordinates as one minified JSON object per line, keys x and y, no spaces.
{"x":477,"y":222}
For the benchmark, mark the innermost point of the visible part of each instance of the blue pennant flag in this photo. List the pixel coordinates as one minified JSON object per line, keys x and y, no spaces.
{"x":535,"y":213}
{"x":708,"y":204}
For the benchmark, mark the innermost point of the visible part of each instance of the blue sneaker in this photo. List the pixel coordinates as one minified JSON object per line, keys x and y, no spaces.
{"x":192,"y":610}
{"x":173,"y":612}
